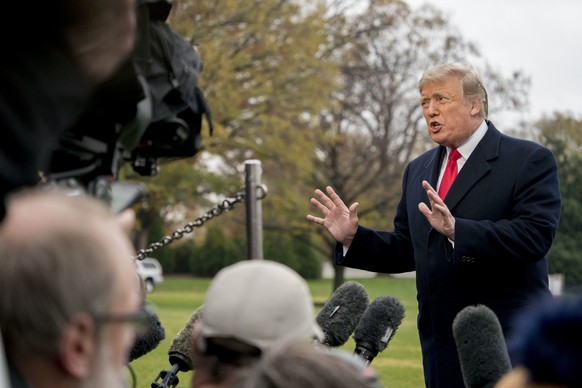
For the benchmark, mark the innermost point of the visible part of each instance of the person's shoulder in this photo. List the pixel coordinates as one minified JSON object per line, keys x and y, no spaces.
{"x":522,"y":145}
{"x":517,"y":143}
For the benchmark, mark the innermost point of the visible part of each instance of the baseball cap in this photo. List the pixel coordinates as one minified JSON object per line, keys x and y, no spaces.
{"x":259,"y":302}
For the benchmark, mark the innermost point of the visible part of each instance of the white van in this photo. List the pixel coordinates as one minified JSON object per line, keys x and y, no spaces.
{"x":151,"y":272}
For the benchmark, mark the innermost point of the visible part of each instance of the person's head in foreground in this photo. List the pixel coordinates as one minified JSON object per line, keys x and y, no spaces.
{"x":68,"y":292}
{"x":307,"y":366}
{"x":547,"y":347}
{"x":250,"y":308}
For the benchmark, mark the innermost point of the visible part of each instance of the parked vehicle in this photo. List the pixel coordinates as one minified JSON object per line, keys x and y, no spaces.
{"x":151,"y":272}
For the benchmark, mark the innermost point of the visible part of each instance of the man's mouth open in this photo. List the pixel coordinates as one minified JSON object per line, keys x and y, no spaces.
{"x":435,"y":126}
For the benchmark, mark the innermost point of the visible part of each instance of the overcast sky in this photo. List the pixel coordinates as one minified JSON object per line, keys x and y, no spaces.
{"x":542,"y":38}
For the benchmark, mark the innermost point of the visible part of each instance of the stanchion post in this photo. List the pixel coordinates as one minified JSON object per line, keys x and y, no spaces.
{"x":254,"y":211}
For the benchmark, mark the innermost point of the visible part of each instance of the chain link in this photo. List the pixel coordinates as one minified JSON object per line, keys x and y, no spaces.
{"x":221,"y":208}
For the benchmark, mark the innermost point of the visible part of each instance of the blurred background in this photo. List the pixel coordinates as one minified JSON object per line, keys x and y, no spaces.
{"x":324,"y":93}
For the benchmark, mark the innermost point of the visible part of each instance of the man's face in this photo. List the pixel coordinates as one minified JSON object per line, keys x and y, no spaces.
{"x":204,"y":366}
{"x":209,"y":372}
{"x":449,"y":117}
{"x":117,"y":338}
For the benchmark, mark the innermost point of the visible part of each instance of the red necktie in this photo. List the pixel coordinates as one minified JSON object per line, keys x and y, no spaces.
{"x":450,"y":174}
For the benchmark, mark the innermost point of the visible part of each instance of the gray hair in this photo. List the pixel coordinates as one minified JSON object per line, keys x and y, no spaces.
{"x":470,"y":82}
{"x":55,"y":263}
{"x":303,"y":365}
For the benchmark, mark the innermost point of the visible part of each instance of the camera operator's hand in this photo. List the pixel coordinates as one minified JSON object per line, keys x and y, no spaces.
{"x":126,"y":219}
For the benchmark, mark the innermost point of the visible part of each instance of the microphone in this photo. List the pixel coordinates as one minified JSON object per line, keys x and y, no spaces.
{"x":179,"y":354}
{"x":377,"y":327}
{"x":148,"y":341}
{"x":341,"y":313}
{"x":481,"y":346}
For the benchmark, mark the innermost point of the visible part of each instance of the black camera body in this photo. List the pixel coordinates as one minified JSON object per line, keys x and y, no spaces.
{"x":149,"y":111}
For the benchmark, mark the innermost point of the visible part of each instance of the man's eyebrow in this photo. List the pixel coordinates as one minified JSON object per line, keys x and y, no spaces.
{"x":433,"y":95}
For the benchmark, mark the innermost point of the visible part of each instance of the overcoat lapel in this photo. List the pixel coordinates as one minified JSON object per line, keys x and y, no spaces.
{"x":477,"y":166}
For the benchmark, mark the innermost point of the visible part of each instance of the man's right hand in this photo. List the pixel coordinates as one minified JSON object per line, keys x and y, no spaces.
{"x":339,"y":220}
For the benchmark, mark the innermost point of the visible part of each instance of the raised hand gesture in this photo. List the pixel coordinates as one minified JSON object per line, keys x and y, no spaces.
{"x":438,"y":214}
{"x":339,"y":220}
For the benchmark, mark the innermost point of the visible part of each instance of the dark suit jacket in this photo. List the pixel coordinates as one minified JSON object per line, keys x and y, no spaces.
{"x":506,"y":203}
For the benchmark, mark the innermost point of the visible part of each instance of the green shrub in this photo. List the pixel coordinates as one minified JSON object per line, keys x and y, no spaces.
{"x":217,"y":252}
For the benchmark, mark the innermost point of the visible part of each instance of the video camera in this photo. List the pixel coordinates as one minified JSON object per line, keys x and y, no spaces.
{"x":150,"y":110}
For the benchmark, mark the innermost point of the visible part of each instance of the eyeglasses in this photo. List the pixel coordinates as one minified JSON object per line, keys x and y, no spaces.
{"x":140,"y":321}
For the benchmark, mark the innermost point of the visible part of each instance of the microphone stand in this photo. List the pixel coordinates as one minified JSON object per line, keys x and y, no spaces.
{"x":180,"y":362}
{"x":169,"y":378}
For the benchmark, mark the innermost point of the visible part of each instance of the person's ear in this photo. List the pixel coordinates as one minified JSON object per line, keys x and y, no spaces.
{"x":475,"y":107}
{"x":79,"y":346}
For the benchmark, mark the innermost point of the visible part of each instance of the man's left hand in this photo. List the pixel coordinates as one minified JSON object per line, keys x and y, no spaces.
{"x":438,"y":215}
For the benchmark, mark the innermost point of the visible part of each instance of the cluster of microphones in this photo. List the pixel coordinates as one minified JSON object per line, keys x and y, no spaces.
{"x":481,"y":347}
{"x":373,"y":324}
{"x":347,"y":311}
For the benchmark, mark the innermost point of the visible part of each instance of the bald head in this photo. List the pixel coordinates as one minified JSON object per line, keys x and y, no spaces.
{"x":48,"y":213}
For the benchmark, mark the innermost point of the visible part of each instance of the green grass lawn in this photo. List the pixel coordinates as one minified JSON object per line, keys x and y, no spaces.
{"x":400,"y":365}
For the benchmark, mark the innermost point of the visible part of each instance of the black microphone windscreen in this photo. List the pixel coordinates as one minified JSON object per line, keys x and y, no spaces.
{"x":379,"y":324}
{"x":180,"y":352}
{"x":481,"y":346}
{"x":341,"y":313}
{"x":148,"y":341}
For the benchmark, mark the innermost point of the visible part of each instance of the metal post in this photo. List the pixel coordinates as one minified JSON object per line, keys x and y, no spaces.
{"x":254,"y":211}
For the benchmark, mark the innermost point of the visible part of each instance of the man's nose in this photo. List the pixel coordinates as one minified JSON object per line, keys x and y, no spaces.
{"x":432,"y":109}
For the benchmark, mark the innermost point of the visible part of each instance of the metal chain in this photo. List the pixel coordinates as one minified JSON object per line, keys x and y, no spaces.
{"x":221,"y":208}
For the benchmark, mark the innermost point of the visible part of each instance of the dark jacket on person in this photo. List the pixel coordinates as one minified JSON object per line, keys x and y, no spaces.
{"x":43,"y":91}
{"x":506,"y":202}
